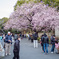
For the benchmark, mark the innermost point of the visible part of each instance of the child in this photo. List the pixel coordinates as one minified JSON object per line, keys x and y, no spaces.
{"x":57,"y":47}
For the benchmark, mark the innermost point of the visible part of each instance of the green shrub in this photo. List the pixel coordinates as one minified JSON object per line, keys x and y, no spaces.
{"x":39,"y":38}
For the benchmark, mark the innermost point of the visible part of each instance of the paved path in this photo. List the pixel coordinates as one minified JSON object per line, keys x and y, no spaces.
{"x":28,"y":52}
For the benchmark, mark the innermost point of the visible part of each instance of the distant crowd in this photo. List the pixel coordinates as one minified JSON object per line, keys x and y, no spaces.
{"x":44,"y":41}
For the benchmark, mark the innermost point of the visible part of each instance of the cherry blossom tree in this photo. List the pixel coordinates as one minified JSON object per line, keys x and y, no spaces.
{"x":38,"y":15}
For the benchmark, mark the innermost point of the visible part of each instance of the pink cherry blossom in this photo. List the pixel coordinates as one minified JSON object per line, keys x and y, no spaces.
{"x":37,"y":14}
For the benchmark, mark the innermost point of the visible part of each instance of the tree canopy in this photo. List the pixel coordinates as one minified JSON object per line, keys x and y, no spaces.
{"x":52,"y":3}
{"x":35,"y":16}
{"x":2,"y":21}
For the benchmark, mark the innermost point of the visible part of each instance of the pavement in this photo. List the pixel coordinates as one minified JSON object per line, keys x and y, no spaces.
{"x":27,"y":51}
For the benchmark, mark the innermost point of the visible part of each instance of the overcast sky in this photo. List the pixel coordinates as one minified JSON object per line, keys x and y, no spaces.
{"x":6,"y":7}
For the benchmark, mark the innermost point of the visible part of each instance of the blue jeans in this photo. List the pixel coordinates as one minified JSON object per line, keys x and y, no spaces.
{"x":45,"y":46}
{"x":52,"y":49}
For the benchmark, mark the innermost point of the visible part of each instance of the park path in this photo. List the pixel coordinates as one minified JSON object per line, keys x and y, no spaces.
{"x":27,"y":51}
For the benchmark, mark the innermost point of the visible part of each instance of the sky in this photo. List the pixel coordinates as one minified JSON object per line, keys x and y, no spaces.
{"x":6,"y":7}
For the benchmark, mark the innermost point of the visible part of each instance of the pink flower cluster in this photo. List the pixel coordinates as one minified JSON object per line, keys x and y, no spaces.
{"x":40,"y":16}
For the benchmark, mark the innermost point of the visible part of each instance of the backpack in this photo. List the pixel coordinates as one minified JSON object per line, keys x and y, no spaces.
{"x":45,"y":39}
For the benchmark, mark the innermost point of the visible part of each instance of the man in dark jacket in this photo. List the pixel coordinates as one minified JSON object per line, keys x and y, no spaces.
{"x":53,"y":43}
{"x":8,"y":41}
{"x":45,"y":43}
{"x":42,"y":42}
{"x":16,"y":49}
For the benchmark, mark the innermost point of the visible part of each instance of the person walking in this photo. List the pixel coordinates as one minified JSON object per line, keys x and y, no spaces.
{"x":35,"y":40}
{"x":8,"y":42}
{"x":16,"y":48}
{"x":45,"y":43}
{"x":53,"y":43}
{"x":1,"y":38}
{"x":42,"y":42}
{"x":15,"y":37}
{"x":57,"y":47}
{"x":31,"y":38}
{"x":28,"y":36}
{"x":4,"y":40}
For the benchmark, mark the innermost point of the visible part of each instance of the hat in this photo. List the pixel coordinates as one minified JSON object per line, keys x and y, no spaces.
{"x":8,"y":32}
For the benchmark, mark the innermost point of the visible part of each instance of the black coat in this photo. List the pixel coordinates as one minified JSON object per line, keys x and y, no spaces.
{"x":42,"y":37}
{"x":45,"y":39}
{"x":16,"y":46}
{"x":52,"y":40}
{"x":35,"y":36}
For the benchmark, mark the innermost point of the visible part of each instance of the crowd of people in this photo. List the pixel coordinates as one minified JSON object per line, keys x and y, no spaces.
{"x":45,"y":41}
{"x":9,"y":38}
{"x":45,"y":44}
